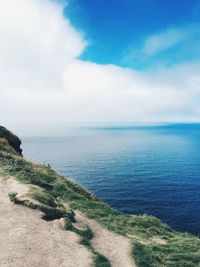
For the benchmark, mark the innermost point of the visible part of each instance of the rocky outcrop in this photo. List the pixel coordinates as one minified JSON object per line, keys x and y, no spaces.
{"x":12,"y":139}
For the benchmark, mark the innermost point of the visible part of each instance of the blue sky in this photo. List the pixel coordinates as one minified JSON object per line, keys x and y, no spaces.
{"x":117,"y":30}
{"x":86,"y":62}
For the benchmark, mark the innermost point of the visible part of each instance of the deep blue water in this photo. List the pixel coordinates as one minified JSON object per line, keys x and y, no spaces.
{"x":151,"y":169}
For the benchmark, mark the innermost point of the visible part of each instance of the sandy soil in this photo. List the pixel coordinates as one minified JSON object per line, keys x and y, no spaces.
{"x":115,"y":247}
{"x":28,"y":241}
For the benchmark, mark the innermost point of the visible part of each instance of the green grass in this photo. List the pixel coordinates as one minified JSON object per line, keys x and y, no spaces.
{"x":86,"y":236}
{"x":4,"y":146}
{"x":13,"y":197}
{"x":182,"y":250}
{"x":52,"y":190}
{"x":100,"y":260}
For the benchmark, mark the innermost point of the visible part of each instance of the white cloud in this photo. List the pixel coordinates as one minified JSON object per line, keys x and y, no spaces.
{"x":36,"y":44}
{"x":157,"y":43}
{"x":168,"y":46}
{"x":44,"y":87}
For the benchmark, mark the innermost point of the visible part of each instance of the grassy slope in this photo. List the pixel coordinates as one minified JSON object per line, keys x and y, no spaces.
{"x":52,"y":190}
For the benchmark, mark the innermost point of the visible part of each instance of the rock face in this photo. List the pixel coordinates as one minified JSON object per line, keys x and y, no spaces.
{"x":12,"y":139}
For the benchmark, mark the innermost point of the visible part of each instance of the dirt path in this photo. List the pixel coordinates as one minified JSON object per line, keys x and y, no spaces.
{"x":115,"y":247}
{"x":28,"y":241}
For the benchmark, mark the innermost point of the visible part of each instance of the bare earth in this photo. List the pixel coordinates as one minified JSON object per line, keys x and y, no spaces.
{"x":115,"y":247}
{"x":28,"y":241}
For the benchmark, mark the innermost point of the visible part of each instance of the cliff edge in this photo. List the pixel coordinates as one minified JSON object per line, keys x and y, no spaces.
{"x":12,"y":139}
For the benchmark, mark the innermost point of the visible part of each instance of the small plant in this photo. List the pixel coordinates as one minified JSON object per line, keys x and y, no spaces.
{"x":51,"y":214}
{"x":68,"y":224}
{"x":100,"y":260}
{"x":13,"y":197}
{"x":86,"y":236}
{"x":70,"y":215}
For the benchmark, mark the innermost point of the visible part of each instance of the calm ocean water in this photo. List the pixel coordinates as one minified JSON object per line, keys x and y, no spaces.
{"x":152,"y":169}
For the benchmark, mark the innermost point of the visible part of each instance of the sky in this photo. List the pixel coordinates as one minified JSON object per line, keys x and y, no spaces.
{"x":81,"y":63}
{"x":138,"y":33}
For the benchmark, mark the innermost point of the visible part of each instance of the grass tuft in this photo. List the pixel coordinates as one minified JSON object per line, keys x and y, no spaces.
{"x":13,"y":197}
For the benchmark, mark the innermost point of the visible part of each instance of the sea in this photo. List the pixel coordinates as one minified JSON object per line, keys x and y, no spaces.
{"x":136,"y":169}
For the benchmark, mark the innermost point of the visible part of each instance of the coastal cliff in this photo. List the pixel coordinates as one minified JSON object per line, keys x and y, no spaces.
{"x":12,"y":139}
{"x":54,"y":222}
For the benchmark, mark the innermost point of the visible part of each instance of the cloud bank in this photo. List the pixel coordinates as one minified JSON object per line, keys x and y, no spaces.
{"x":45,"y":87}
